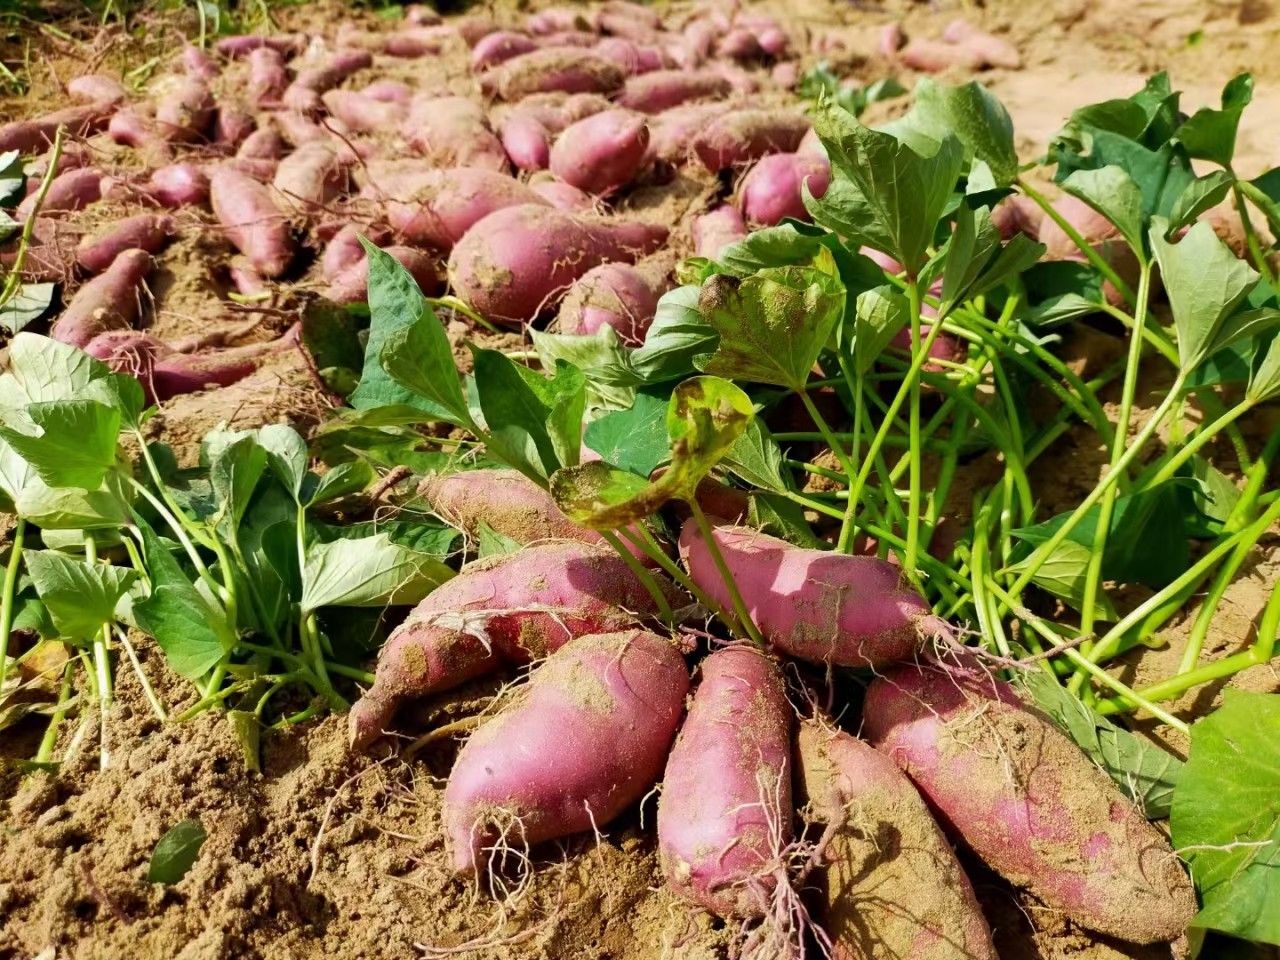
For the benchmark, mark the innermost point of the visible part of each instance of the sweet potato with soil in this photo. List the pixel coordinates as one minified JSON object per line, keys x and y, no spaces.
{"x":232,"y":127}
{"x":817,"y":606}
{"x":1017,"y":214}
{"x":145,"y":231}
{"x":772,"y":189}
{"x":265,"y":143}
{"x":198,"y":64}
{"x":661,"y":90}
{"x":110,"y":301}
{"x":453,"y":132}
{"x":891,"y":885}
{"x":507,"y":609}
{"x":526,"y":140}
{"x":444,"y":204}
{"x":719,"y":228}
{"x":252,"y":221}
{"x":178,"y":185}
{"x":515,"y":262}
{"x":303,"y":94}
{"x":68,"y":192}
{"x":389,"y":91}
{"x":561,"y":195}
{"x":615,"y":295}
{"x":37,"y":134}
{"x":994,"y":51}
{"x":286,"y":44}
{"x":1028,"y":801}
{"x":739,"y":44}
{"x":410,"y":44}
{"x":556,"y":19}
{"x":268,"y":78}
{"x":602,"y":153}
{"x":344,"y":249}
{"x":946,"y":346}
{"x":96,"y":88}
{"x":725,"y":811}
{"x":499,"y":47}
{"x":362,"y":113}
{"x":673,"y":132}
{"x":583,"y":740}
{"x":184,"y":109}
{"x":352,"y":284}
{"x":554,"y":68}
{"x":742,"y":136}
{"x":310,"y":177}
{"x":633,"y":58}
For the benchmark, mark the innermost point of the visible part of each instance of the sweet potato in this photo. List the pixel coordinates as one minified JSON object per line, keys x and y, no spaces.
{"x":232,"y":126}
{"x":499,"y":47}
{"x":526,"y":140}
{"x":739,"y":44}
{"x":515,"y":262}
{"x":561,"y":195}
{"x":725,"y":812}
{"x":946,"y":346}
{"x":453,"y":132}
{"x":145,"y":231}
{"x":310,"y":177}
{"x":179,"y":185}
{"x":286,"y":44}
{"x":931,"y":56}
{"x":351,"y":285}
{"x":34,"y":136}
{"x":304,"y":93}
{"x":994,"y":51}
{"x":444,"y":204}
{"x":96,"y":88}
{"x":772,"y":189}
{"x":719,"y":228}
{"x":602,"y":153}
{"x":890,"y":40}
{"x":892,"y":885}
{"x":673,"y":132}
{"x":505,"y":609}
{"x":110,"y":301}
{"x":1017,"y":214}
{"x":815,"y":605}
{"x":184,"y":109}
{"x":198,"y":64}
{"x":555,"y":19}
{"x":344,"y":249}
{"x":613,"y":294}
{"x":68,"y":192}
{"x":265,"y":143}
{"x":267,"y":77}
{"x":632,"y":57}
{"x":389,"y":91}
{"x":253,"y":222}
{"x":415,"y":42}
{"x":581,"y":742}
{"x":661,"y":90}
{"x":742,"y":136}
{"x":1028,"y":801}
{"x":554,"y":68}
{"x":362,"y":113}
{"x":786,"y":74}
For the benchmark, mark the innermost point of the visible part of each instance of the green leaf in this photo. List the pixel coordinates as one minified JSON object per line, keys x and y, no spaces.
{"x":1226,"y":816}
{"x":1144,"y":771}
{"x":79,"y":596}
{"x":634,"y":439}
{"x":427,"y":536}
{"x":534,"y":423}
{"x":883,"y":193}
{"x":1211,"y":134}
{"x":176,"y":852}
{"x":1264,"y":374}
{"x":490,"y":543}
{"x":602,"y":497}
{"x":973,"y":243}
{"x":602,"y":357}
{"x":193,"y":635}
{"x":1063,"y":575}
{"x":234,"y":475}
{"x":756,"y":458}
{"x":1205,"y":283}
{"x":396,"y":305}
{"x":881,"y":314}
{"x":1112,"y":192}
{"x":782,"y":518}
{"x":1209,"y":498}
{"x":341,"y":481}
{"x":287,"y":454}
{"x":772,"y":325}
{"x":677,"y":335}
{"x":73,"y":443}
{"x":42,"y":370}
{"x":368,"y":572}
{"x":29,"y":302}
{"x":970,"y":113}
{"x":820,"y":81}
{"x":1200,"y":195}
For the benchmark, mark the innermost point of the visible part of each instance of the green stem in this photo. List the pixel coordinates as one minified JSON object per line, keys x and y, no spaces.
{"x":14,"y":280}
{"x":8,"y":599}
{"x":1250,"y":234}
{"x":44,"y":754}
{"x":731,"y":585}
{"x":1096,"y":259}
{"x":916,"y":456}
{"x":643,"y":574}
{"x":147,"y":690}
{"x":192,"y":553}
{"x":825,"y":430}
{"x":1166,"y":470}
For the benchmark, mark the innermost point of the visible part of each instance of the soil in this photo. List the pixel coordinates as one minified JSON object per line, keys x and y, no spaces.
{"x":325,"y":854}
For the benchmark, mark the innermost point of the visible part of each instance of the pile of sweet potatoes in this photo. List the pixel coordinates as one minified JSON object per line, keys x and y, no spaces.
{"x":770,"y":814}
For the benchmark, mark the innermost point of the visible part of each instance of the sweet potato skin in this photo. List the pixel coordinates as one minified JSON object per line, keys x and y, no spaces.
{"x":508,"y":501}
{"x":453,"y":132}
{"x":892,"y":882}
{"x":109,"y":301}
{"x":742,"y":136}
{"x":509,"y":609}
{"x":660,"y":90}
{"x":554,"y":68}
{"x":725,"y":809}
{"x":772,"y":190}
{"x":815,"y":605}
{"x":717,"y":229}
{"x":253,"y":223}
{"x":1028,"y":801}
{"x":444,"y":204}
{"x":146,"y":231}
{"x":613,"y":294}
{"x":581,"y":742}
{"x":601,"y":153}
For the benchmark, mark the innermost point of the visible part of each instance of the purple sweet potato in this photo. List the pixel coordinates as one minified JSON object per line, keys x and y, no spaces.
{"x":505,"y":609}
{"x":601,"y":153}
{"x":561,"y":195}
{"x":232,"y":127}
{"x":304,"y":93}
{"x":771,"y":190}
{"x":526,"y":140}
{"x":517,"y":261}
{"x":661,"y":90}
{"x":892,"y":885}
{"x":198,"y":64}
{"x":453,"y":132}
{"x":719,"y":228}
{"x":554,"y":68}
{"x":179,"y":185}
{"x":932,"y":56}
{"x":97,"y":88}
{"x":145,"y":231}
{"x":725,"y":812}
{"x":184,"y":109}
{"x":444,"y":204}
{"x":499,"y":47}
{"x":267,"y":76}
{"x":265,"y":143}
{"x":351,"y":285}
{"x":815,"y":605}
{"x":577,"y":745}
{"x":616,"y":295}
{"x":110,"y":301}
{"x":286,"y":44}
{"x":310,"y":177}
{"x":252,"y":221}
{"x":362,"y":113}
{"x":344,"y":249}
{"x":166,"y":373}
{"x":1028,"y":801}
{"x":741,"y":136}
{"x":35,"y":135}
{"x":389,"y":91}
{"x":68,"y":192}
{"x":994,"y":51}
{"x":672,"y":133}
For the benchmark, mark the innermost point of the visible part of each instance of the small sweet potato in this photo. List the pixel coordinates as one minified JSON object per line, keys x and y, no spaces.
{"x":561,"y":195}
{"x":554,"y":68}
{"x":661,"y":90}
{"x":577,"y":745}
{"x":892,"y":884}
{"x":815,"y":605}
{"x":772,"y":189}
{"x":344,"y":249}
{"x":110,"y":301}
{"x":994,"y":51}
{"x":166,"y":373}
{"x":499,"y":47}
{"x":453,"y":132}
{"x":35,"y":135}
{"x":267,"y":76}
{"x":184,"y":109}
{"x":179,"y":185}
{"x":1028,"y":801}
{"x":526,"y":140}
{"x":443,"y":205}
{"x":932,"y":56}
{"x":198,"y":64}
{"x":725,"y":812}
{"x":505,"y":609}
{"x":97,"y":88}
{"x":252,"y":221}
{"x":68,"y":192}
{"x":232,"y":127}
{"x":304,"y":93}
{"x":352,"y":284}
{"x":362,"y":113}
{"x":602,"y":153}
{"x":672,"y":133}
{"x":145,"y":231}
{"x":286,"y":44}
{"x":719,"y":228}
{"x":389,"y":91}
{"x":555,"y":19}
{"x":613,"y":294}
{"x":310,"y":177}
{"x":742,"y":136}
